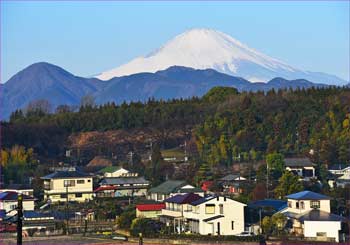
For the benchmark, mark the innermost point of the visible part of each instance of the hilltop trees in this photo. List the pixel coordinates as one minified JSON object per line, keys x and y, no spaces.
{"x":288,"y":184}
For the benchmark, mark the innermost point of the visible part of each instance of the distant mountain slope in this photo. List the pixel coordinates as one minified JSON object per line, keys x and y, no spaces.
{"x":207,"y":48}
{"x":44,"y":81}
{"x":52,"y":83}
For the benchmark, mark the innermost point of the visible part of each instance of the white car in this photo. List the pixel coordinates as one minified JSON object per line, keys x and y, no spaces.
{"x":245,"y":233}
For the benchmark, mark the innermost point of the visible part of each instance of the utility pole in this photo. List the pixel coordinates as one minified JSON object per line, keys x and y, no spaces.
{"x":67,"y":219}
{"x":19,"y":218}
{"x":267,"y":180}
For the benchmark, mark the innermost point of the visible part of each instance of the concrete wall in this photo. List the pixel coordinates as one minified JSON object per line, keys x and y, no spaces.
{"x":331,"y":228}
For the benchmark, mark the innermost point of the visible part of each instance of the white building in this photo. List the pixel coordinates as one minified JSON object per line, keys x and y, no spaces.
{"x":9,"y":202}
{"x":311,"y":217}
{"x":116,"y":171}
{"x":68,"y":185}
{"x":339,"y":169}
{"x":301,"y":167}
{"x":215,"y":215}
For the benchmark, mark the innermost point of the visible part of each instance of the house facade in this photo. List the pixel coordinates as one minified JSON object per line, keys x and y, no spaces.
{"x":116,"y":171}
{"x":170,"y":188}
{"x":311,"y":217}
{"x":232,"y":184}
{"x":122,"y":186}
{"x":72,"y":185}
{"x":151,"y":211}
{"x":175,"y":206}
{"x":9,"y":202}
{"x":301,"y":167}
{"x":215,"y":215}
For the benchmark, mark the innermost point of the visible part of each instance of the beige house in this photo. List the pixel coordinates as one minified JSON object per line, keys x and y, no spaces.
{"x":9,"y":202}
{"x":68,"y":185}
{"x":116,"y":171}
{"x":311,"y":216}
{"x":150,"y":211}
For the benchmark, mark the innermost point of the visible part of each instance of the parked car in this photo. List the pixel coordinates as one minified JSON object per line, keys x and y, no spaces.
{"x":245,"y":233}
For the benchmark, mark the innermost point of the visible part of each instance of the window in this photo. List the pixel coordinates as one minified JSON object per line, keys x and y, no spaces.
{"x":321,"y":234}
{"x":315,"y":204}
{"x":78,"y":195}
{"x":68,"y":183}
{"x":232,"y":225}
{"x":302,"y":205}
{"x":89,"y":180}
{"x":210,"y":208}
{"x":63,"y":195}
{"x":289,"y":204}
{"x":80,"y":181}
{"x":13,"y":206}
{"x":297,"y":204}
{"x":221,"y":207}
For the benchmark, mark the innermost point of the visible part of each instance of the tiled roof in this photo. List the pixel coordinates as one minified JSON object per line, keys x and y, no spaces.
{"x":319,"y":215}
{"x":150,"y":207}
{"x":12,"y":196}
{"x":66,"y":174}
{"x":298,"y":162}
{"x":203,"y":200}
{"x":273,"y":203}
{"x":183,"y":198}
{"x":109,"y":169}
{"x":308,"y":195}
{"x":168,"y":186}
{"x":123,"y":181}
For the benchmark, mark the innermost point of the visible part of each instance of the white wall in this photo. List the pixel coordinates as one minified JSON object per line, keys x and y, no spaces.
{"x":330,"y":227}
{"x":8,"y":205}
{"x":324,"y":206}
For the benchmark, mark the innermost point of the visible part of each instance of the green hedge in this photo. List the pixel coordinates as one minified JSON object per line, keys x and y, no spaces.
{"x":197,"y":237}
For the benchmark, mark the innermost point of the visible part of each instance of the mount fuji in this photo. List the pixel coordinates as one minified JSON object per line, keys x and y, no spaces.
{"x":207,"y":48}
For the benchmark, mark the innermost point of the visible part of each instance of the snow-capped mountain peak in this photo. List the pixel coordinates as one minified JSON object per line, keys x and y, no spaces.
{"x":208,"y":48}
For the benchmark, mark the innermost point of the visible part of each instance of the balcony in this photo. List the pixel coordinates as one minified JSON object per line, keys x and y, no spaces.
{"x":172,"y":213}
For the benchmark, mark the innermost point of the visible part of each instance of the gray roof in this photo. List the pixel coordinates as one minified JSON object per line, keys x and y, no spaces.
{"x":66,"y":174}
{"x":298,"y":162}
{"x":338,"y":167}
{"x":315,"y":215}
{"x":123,"y":181}
{"x":168,"y":187}
{"x":230,"y":177}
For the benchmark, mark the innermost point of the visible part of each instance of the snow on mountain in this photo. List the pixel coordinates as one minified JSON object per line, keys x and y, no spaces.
{"x":207,"y":48}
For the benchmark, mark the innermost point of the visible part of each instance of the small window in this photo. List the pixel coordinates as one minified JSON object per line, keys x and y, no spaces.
{"x":78,"y":195}
{"x":210,"y":208}
{"x":14,"y":206}
{"x":232,"y":225}
{"x":68,"y":183}
{"x":302,"y":205}
{"x":89,"y":180}
{"x":221,"y":207}
{"x":63,"y":195}
{"x":289,"y":204}
{"x":297,"y":204}
{"x":80,"y":181}
{"x":315,"y":204}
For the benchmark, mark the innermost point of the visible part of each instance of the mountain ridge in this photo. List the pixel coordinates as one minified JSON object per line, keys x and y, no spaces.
{"x":203,"y":48}
{"x":50,"y":82}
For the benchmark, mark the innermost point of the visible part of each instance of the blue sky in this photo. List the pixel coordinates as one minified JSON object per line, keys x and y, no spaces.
{"x":90,"y":37}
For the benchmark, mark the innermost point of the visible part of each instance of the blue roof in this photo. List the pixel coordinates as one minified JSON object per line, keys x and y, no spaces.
{"x":183,"y":198}
{"x":66,"y":174}
{"x":272,"y":203}
{"x":28,"y":214}
{"x":202,"y":200}
{"x":308,"y":195}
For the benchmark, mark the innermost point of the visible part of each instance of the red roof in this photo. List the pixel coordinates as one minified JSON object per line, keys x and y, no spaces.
{"x":150,"y":207}
{"x":105,"y":188}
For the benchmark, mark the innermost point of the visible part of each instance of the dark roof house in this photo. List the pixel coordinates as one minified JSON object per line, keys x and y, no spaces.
{"x":66,"y":174}
{"x":298,"y":162}
{"x":183,"y":198}
{"x":307,"y":195}
{"x":173,"y":186}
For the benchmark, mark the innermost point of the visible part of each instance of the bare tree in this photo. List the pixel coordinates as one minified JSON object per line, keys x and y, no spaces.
{"x":40,"y":105}
{"x":87,"y":101}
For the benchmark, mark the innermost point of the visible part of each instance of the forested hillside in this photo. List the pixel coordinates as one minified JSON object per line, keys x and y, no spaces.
{"x":224,"y":123}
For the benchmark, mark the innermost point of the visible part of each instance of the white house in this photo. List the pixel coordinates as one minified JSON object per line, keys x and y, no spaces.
{"x":170,"y":188}
{"x":173,"y":212}
{"x":116,"y":171}
{"x":301,"y":167}
{"x":339,"y":169}
{"x":9,"y":202}
{"x":215,"y":215}
{"x":311,"y":217}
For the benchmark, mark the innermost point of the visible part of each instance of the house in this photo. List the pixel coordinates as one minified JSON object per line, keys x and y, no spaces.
{"x":9,"y":202}
{"x":150,"y":210}
{"x":339,"y":169}
{"x":19,"y":188}
{"x":68,"y":185}
{"x":122,"y":186}
{"x":116,"y":171}
{"x":170,"y":188}
{"x":232,"y":184}
{"x":301,"y":167}
{"x":175,"y":206}
{"x":311,"y":217}
{"x":215,"y":215}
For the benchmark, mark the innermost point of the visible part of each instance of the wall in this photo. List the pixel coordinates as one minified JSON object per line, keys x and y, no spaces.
{"x":330,"y":227}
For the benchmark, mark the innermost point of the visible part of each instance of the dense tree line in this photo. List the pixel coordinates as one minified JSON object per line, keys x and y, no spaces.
{"x":229,"y":126}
